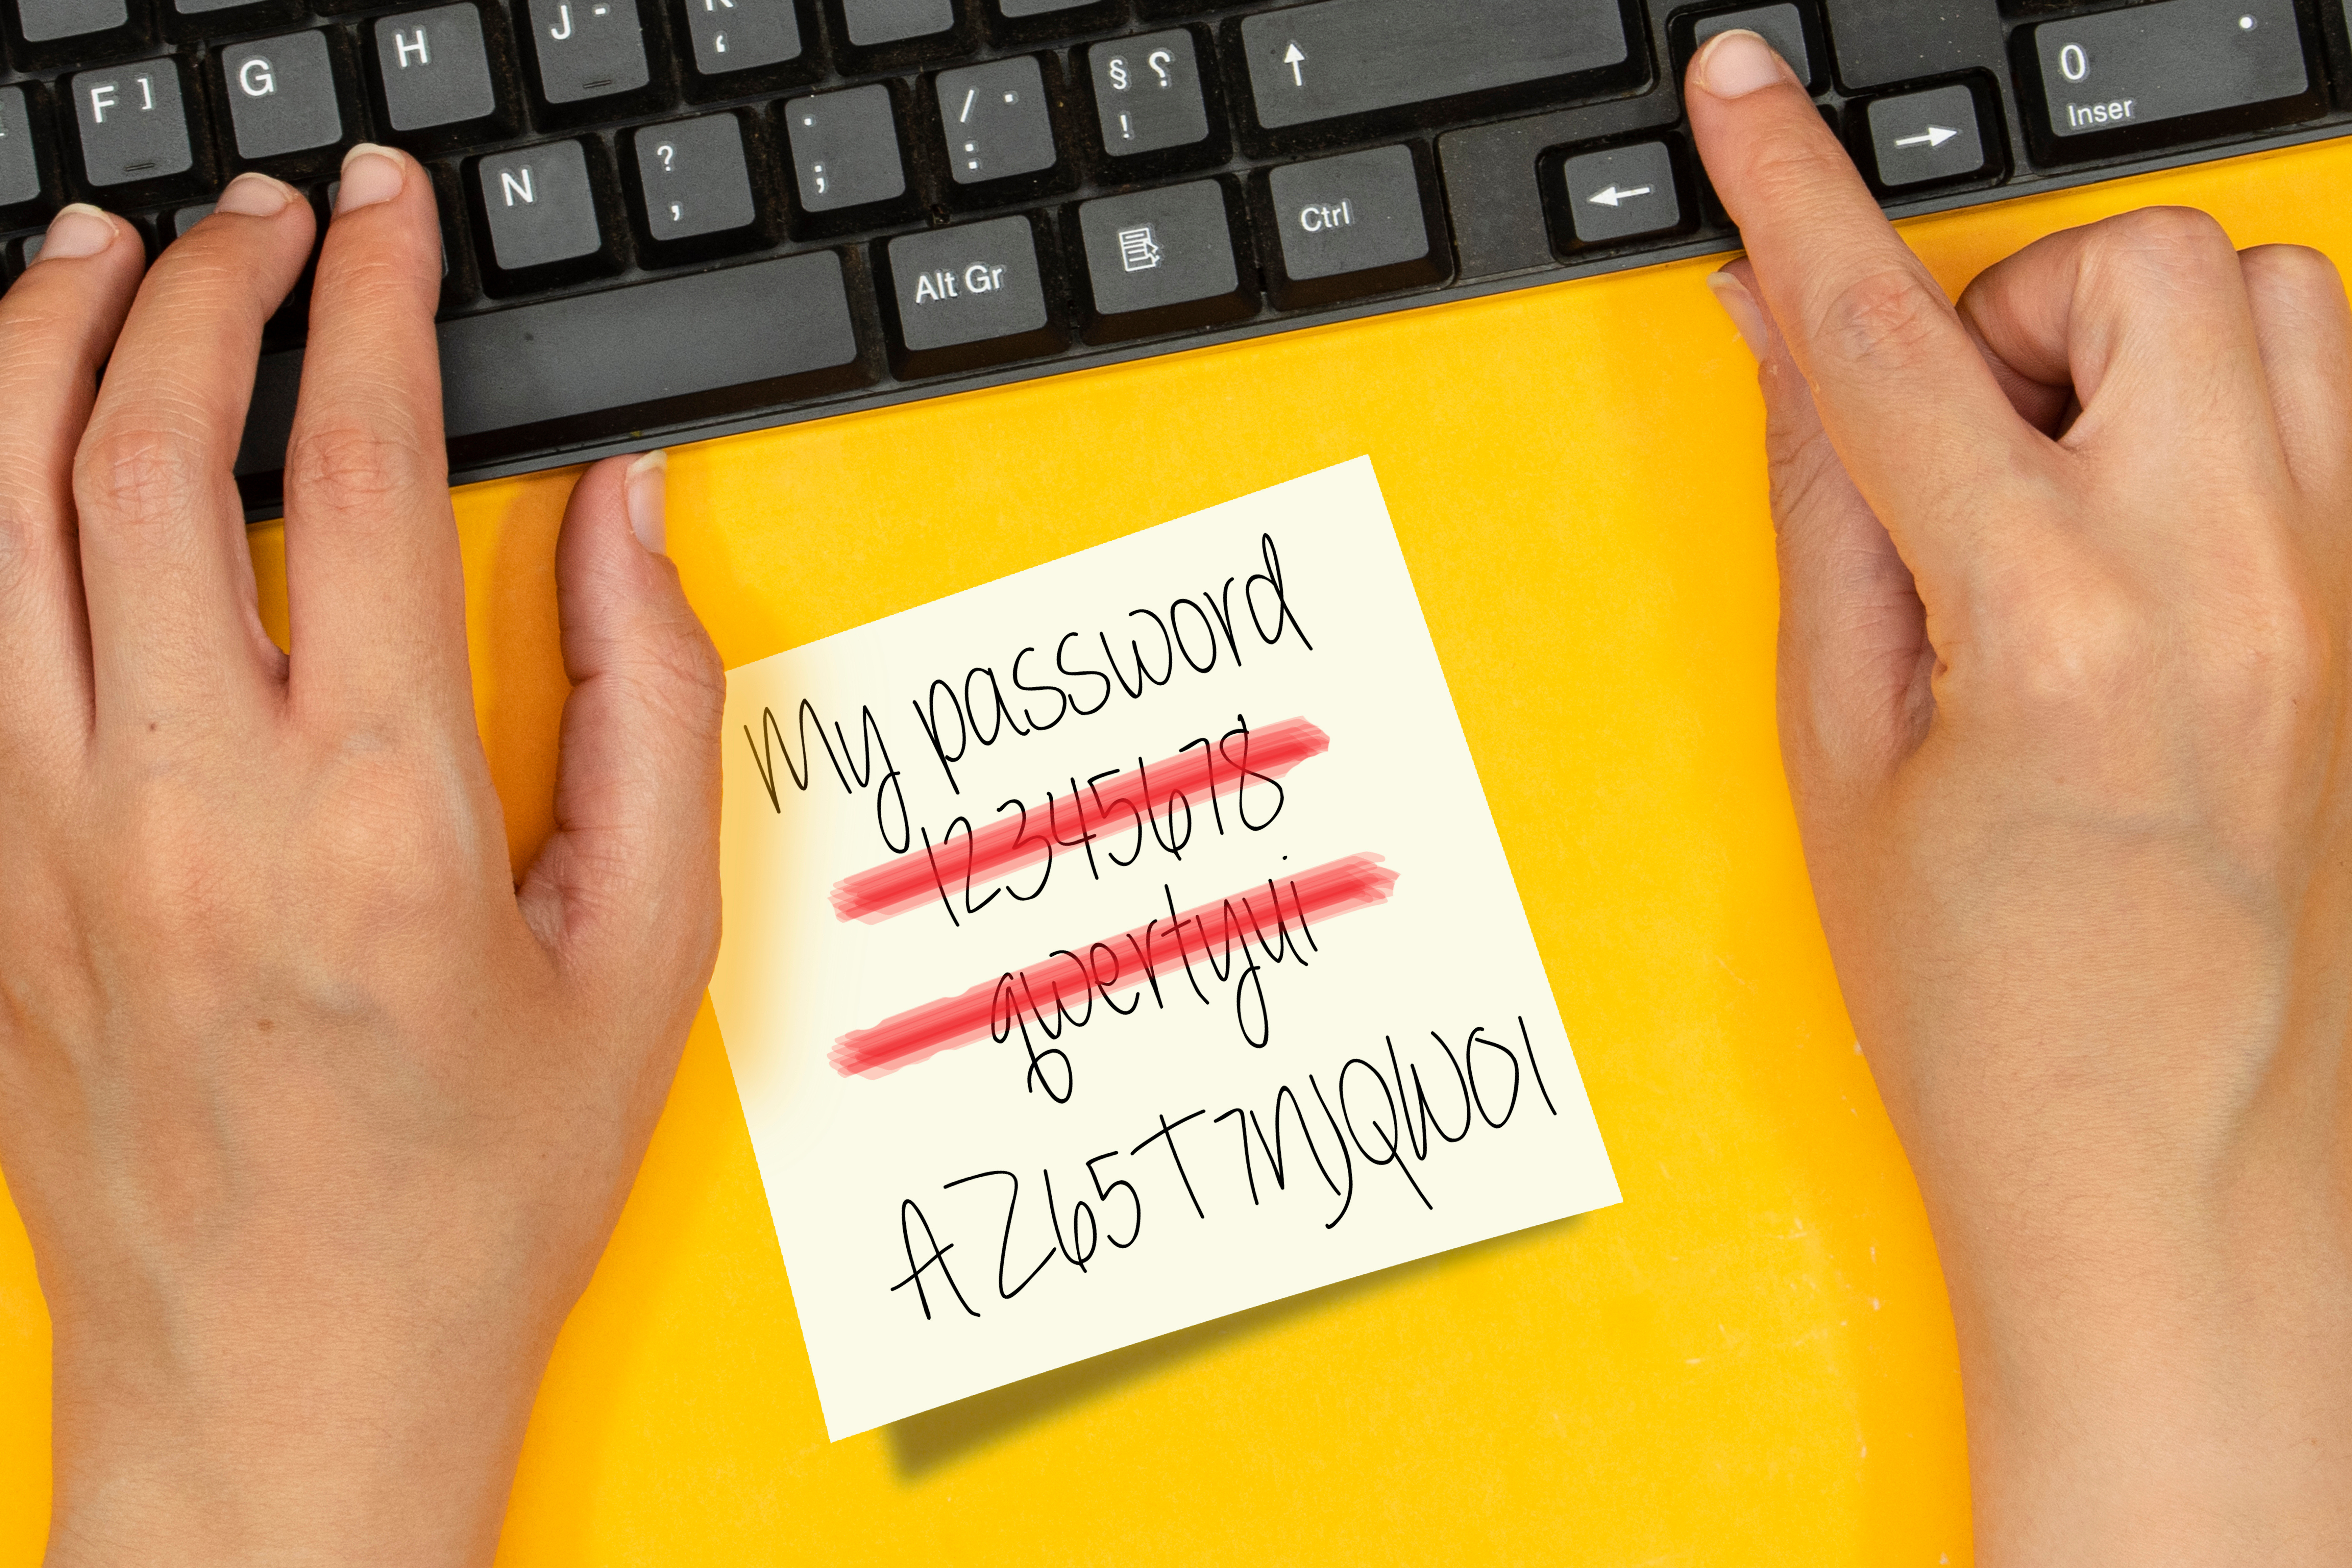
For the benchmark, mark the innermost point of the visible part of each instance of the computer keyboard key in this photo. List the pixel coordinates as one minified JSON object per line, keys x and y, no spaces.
{"x":977,"y":285}
{"x":2136,"y":68}
{"x":541,"y":205}
{"x":1621,"y":193}
{"x":1147,"y":94}
{"x":134,"y":123}
{"x":435,"y":67}
{"x":1925,"y":138}
{"x":844,"y":148}
{"x":1783,"y":26}
{"x":47,"y":21}
{"x":873,"y":22}
{"x":1161,"y":260}
{"x":996,"y":121}
{"x":282,"y":96}
{"x":742,"y":34}
{"x":20,"y":164}
{"x":1879,"y":43}
{"x":695,"y":177}
{"x":1343,"y":57}
{"x":1355,"y":224}
{"x":587,"y":48}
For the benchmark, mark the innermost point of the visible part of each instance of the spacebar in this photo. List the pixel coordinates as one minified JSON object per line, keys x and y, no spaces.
{"x":674,"y":337}
{"x":1357,"y":57}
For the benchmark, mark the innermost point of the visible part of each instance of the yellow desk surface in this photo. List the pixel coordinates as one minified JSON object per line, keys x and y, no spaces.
{"x":1750,"y":1361}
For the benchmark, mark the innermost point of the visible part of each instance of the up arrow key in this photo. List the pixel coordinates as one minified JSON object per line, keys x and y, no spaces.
{"x":1612,"y":196}
{"x":1934,"y":136}
{"x":1294,"y":59}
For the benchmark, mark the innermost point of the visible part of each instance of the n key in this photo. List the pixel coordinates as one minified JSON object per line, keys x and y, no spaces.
{"x":587,"y":48}
{"x":134,"y":124}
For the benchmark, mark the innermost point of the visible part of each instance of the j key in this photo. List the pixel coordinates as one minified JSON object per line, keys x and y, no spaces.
{"x":47,"y":20}
{"x":281,"y":95}
{"x":1921,"y":138}
{"x":1160,"y":259}
{"x":540,"y":206}
{"x":694,"y":177}
{"x":1622,"y":193}
{"x":20,"y":169}
{"x":435,"y":67}
{"x":996,"y":120}
{"x":2147,"y":64}
{"x":1353,"y":57}
{"x":588,"y":49}
{"x":846,"y":149}
{"x":1779,"y":25}
{"x":742,"y":34}
{"x":1147,"y":94}
{"x":134,"y":126}
{"x":890,"y":21}
{"x":976,"y":285}
{"x":1359,"y":213}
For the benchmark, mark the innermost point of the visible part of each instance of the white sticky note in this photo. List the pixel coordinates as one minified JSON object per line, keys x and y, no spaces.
{"x":1125,"y":943}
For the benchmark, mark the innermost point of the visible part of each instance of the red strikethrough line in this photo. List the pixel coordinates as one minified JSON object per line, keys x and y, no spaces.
{"x":1010,"y":842}
{"x":1156,"y":948}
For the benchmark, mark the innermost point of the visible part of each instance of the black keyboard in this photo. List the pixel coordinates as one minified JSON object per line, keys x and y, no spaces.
{"x":665,"y":219}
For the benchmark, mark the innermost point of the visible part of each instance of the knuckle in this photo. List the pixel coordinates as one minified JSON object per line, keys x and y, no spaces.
{"x":132,"y":472}
{"x":2169,"y":238}
{"x":1888,"y":314}
{"x":2062,"y":644}
{"x":350,"y":468}
{"x":2295,"y":272}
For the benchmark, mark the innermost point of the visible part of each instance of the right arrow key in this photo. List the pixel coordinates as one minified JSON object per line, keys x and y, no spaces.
{"x":1927,"y":138}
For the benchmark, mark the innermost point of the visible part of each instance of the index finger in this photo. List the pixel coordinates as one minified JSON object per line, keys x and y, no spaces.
{"x":1909,"y":402}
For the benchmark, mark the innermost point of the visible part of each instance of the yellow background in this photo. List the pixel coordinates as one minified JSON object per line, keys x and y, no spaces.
{"x":1750,"y":1361}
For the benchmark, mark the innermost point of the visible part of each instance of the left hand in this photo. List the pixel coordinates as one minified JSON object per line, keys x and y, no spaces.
{"x":317,"y":1121}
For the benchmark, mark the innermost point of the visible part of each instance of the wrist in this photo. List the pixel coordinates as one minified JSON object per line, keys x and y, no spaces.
{"x":319,"y":1445}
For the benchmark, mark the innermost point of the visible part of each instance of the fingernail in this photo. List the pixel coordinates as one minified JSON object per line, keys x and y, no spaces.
{"x":1740,"y":305}
{"x":370,"y":174}
{"x":1737,"y":63}
{"x":78,"y":230}
{"x":255,"y":195}
{"x":647,"y":489}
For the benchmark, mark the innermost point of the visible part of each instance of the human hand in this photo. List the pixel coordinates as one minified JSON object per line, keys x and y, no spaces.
{"x":2066,"y":577}
{"x":318,"y":1122}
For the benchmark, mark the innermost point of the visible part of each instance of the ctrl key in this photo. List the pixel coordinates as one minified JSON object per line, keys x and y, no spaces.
{"x":1357,"y":224}
{"x":968,"y":297}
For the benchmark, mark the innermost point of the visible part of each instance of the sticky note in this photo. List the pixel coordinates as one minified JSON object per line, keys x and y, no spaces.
{"x":1125,"y":943}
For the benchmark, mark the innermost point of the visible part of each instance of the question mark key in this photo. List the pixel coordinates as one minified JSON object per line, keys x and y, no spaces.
{"x":694,"y":180}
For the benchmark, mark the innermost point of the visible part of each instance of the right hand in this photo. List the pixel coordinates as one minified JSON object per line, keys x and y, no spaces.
{"x":2067,"y":707}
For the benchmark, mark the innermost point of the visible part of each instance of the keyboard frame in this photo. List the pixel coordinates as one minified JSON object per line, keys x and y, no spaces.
{"x":1651,"y":109}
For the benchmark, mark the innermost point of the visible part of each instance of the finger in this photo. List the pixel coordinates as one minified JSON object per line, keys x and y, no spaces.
{"x":2303,"y":326}
{"x":626,"y":891}
{"x":376,"y":593}
{"x":175,"y":632}
{"x":2141,"y":319}
{"x":1918,"y":417}
{"x":1854,"y":657}
{"x":57,"y":326}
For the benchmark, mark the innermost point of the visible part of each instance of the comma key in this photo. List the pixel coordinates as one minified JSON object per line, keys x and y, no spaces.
{"x":2139,"y":67}
{"x":694,"y":177}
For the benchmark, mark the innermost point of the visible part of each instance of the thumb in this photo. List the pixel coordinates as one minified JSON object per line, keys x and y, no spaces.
{"x":1855,"y":662}
{"x":625,"y":893}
